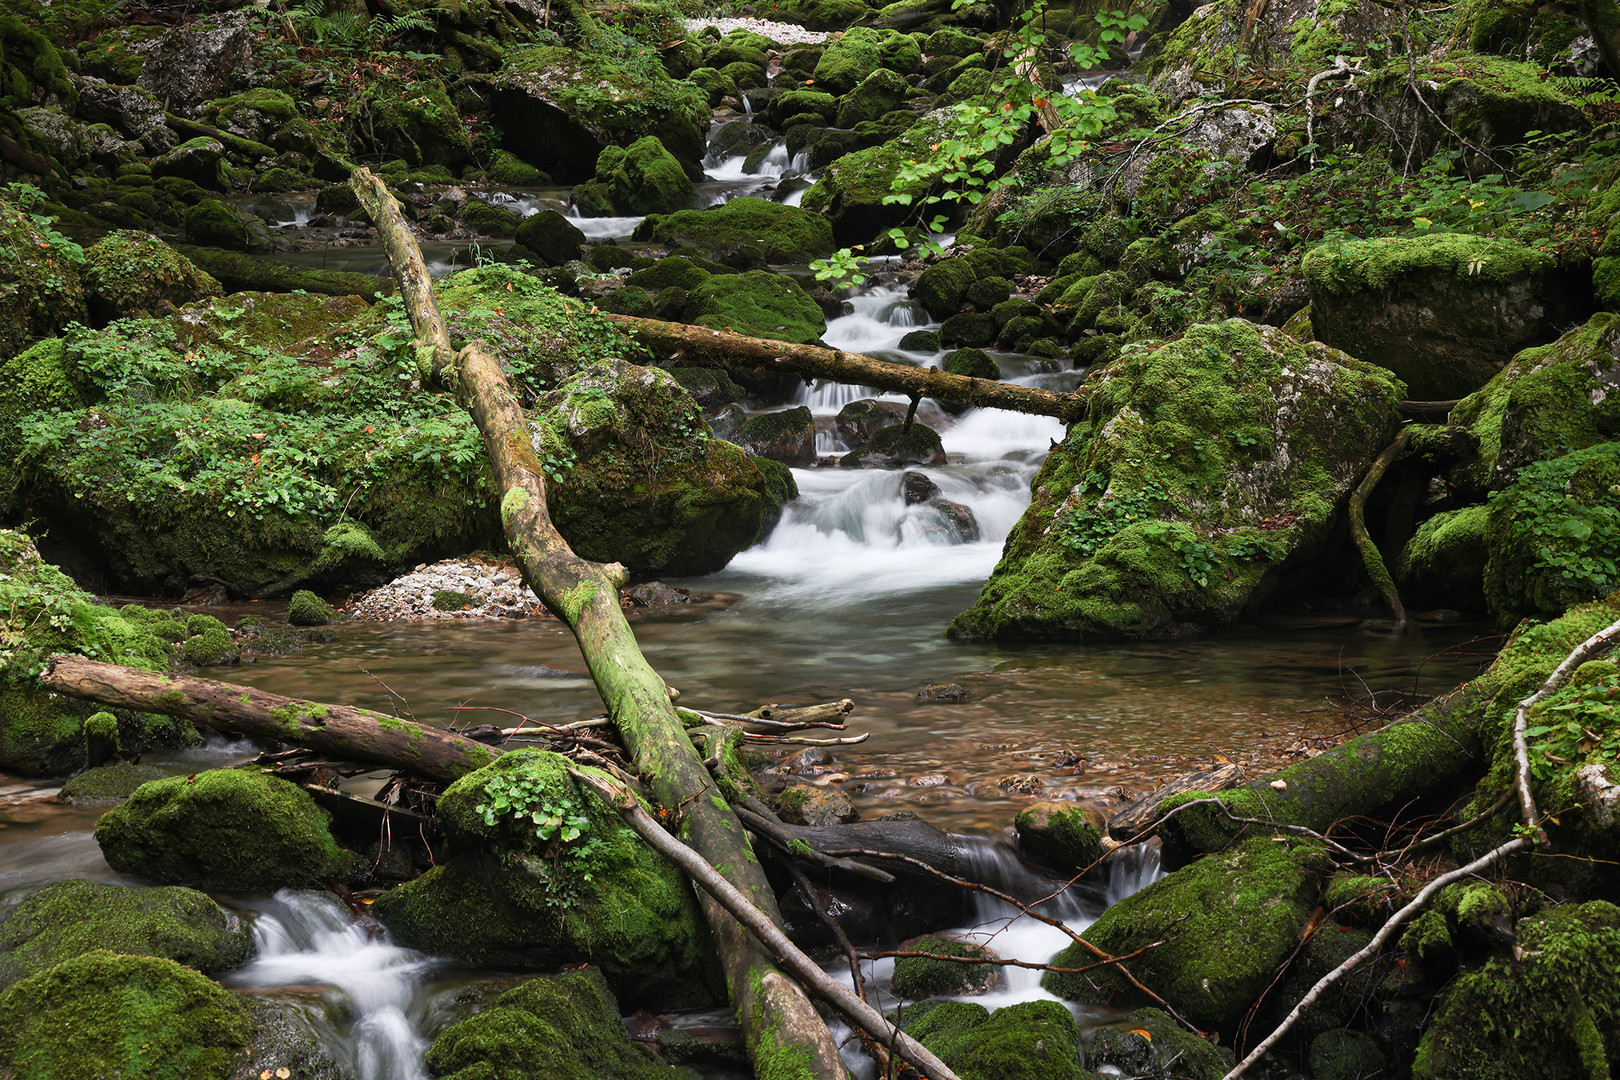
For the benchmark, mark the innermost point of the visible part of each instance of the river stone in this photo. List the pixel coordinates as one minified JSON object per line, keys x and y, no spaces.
{"x":857,"y":421}
{"x":953,"y":520}
{"x":1060,"y":834}
{"x":943,"y":693}
{"x":551,"y":237}
{"x":802,"y":804}
{"x":925,"y":977}
{"x":283,"y":1038}
{"x":1148,"y":1043}
{"x":108,"y":783}
{"x":895,"y":447}
{"x":231,"y":829}
{"x":75,"y":917}
{"x":1129,"y":534}
{"x":1033,"y":1040}
{"x":207,"y":58}
{"x":915,"y":487}
{"x":788,"y":436}
{"x":1227,"y":923}
{"x":1443,"y":312}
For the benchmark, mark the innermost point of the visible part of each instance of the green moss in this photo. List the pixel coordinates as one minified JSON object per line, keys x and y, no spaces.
{"x":973,"y":363}
{"x":414,"y":121}
{"x":852,"y":190}
{"x":224,"y":829}
{"x":1551,"y":1009}
{"x":676,"y":271}
{"x":563,"y":1026}
{"x":39,"y":282}
{"x":758,"y":304}
{"x":211,"y":647}
{"x":1166,"y":1049}
{"x":130,"y":272}
{"x":942,"y":287}
{"x":1033,"y":1040}
{"x":108,"y":783}
{"x":1060,"y":835}
{"x":785,"y":234}
{"x":1376,"y":265}
{"x":307,"y":609}
{"x":922,"y":977}
{"x":135,"y":1017}
{"x":75,"y":917}
{"x":1227,"y":921}
{"x":1444,"y":562}
{"x":895,"y":446}
{"x":449,"y":600}
{"x":237,"y":272}
{"x":486,"y":220}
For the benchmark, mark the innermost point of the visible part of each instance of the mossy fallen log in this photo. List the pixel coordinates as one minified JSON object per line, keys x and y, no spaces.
{"x":239,"y":272}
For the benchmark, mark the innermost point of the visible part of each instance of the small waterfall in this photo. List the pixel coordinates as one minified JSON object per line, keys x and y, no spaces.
{"x":604,"y":228}
{"x":369,"y":985}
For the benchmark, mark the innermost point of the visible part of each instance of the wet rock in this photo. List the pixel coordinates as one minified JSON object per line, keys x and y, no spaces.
{"x":137,"y":1017}
{"x":224,"y":829}
{"x":926,"y":977}
{"x":644,"y":178}
{"x":921,"y":341}
{"x":1149,"y":1044}
{"x":897,"y":446}
{"x":307,"y":609}
{"x":945,"y":693}
{"x":915,"y":487}
{"x":811,"y":757}
{"x":709,"y":1046}
{"x":1062,"y":835}
{"x":655,"y":594}
{"x":858,"y":421}
{"x":758,"y":304}
{"x":75,"y":917}
{"x":788,"y":436}
{"x":1033,"y":1040}
{"x":956,"y":521}
{"x":108,"y":784}
{"x":801,"y":804}
{"x":283,"y":1038}
{"x":1443,"y":312}
{"x":216,"y":224}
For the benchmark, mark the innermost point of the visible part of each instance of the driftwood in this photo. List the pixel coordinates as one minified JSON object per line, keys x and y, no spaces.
{"x":772,"y":1009}
{"x":1142,"y":814}
{"x":1370,"y":558}
{"x":696,"y":344}
{"x":356,"y":734}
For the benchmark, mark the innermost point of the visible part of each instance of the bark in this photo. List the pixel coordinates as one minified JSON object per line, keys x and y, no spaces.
{"x":695,"y":344}
{"x":784,"y":1034}
{"x":342,"y":730}
{"x":1141,"y":815}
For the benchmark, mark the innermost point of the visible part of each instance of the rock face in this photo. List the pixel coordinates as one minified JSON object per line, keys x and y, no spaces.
{"x":224,"y":829}
{"x":136,"y":1017}
{"x":199,"y":61}
{"x":639,"y":480}
{"x":1199,"y":469}
{"x":75,"y":917}
{"x":560,"y":108}
{"x":1228,"y":920}
{"x":508,"y":895}
{"x":1444,"y":312}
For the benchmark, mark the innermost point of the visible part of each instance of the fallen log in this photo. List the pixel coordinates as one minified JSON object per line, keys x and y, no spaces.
{"x":697,"y":344}
{"x":1142,"y":815}
{"x":772,"y":1010}
{"x":342,"y":730}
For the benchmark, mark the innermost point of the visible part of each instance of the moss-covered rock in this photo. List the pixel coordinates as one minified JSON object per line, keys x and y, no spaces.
{"x":212,"y":223}
{"x":486,"y":219}
{"x":238,"y":272}
{"x":562,"y":1026}
{"x":75,"y":917}
{"x":551,"y":237}
{"x":1551,"y":1008}
{"x":39,"y":281}
{"x":759,"y":304}
{"x":638,"y":477}
{"x":942,"y":288}
{"x":136,"y":1017}
{"x":788,"y":436}
{"x":852,"y":191}
{"x":1033,"y":1040}
{"x":1062,"y":835}
{"x":895,"y":447}
{"x":224,"y":829}
{"x":785,"y":234}
{"x":559,"y":107}
{"x":414,"y":121}
{"x":589,"y":890}
{"x":926,"y":976}
{"x":307,"y":609}
{"x":643,"y":178}
{"x":1443,"y":312}
{"x":108,"y":784}
{"x":1443,"y":565}
{"x":1227,"y":921}
{"x":1148,"y":1043}
{"x":974,"y":363}
{"x":878,"y":93}
{"x":1194,"y":475}
{"x":127,"y":273}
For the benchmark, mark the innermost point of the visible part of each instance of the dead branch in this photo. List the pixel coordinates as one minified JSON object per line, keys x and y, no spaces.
{"x":1370,"y":558}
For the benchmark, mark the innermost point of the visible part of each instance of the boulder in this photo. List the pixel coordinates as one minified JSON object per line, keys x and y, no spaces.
{"x":307,"y":609}
{"x":1443,"y":565}
{"x":924,"y":977}
{"x":1033,"y":1040}
{"x":413,"y":121}
{"x":75,"y":917}
{"x":108,"y":784}
{"x":1227,"y":923}
{"x":200,"y":160}
{"x":39,"y":284}
{"x":1061,"y":835}
{"x":558,"y":108}
{"x":642,"y":178}
{"x":197,"y":61}
{"x":853,"y":191}
{"x":584,"y":888}
{"x":801,"y":804}
{"x":942,"y":288}
{"x":973,"y":363}
{"x":1147,"y":1043}
{"x":881,"y":92}
{"x":126,"y":273}
{"x":784,"y":234}
{"x":283,"y":1039}
{"x":217,"y":224}
{"x":231,"y":829}
{"x":1200,"y":468}
{"x":1443,"y":312}
{"x":565,"y":1027}
{"x":551,"y":237}
{"x":757,"y":304}
{"x":895,"y":447}
{"x":858,"y":421}
{"x":788,"y":436}
{"x":254,"y":115}
{"x":636,"y":477}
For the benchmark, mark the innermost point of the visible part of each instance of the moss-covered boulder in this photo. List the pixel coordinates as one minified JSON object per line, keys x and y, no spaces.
{"x":928,"y":976}
{"x":1548,"y":401}
{"x":973,"y":363}
{"x":562,"y":1026}
{"x":942,"y":288}
{"x":758,"y":304}
{"x":1443,"y":565}
{"x":414,"y":121}
{"x":1228,"y":922}
{"x":551,"y":237}
{"x":788,"y":436}
{"x":559,"y":107}
{"x":1550,"y":1008}
{"x":897,"y":446}
{"x":213,"y":223}
{"x":1062,"y":835}
{"x":126,"y":273}
{"x":637,"y":478}
{"x":1033,"y":1040}
{"x":574,"y":884}
{"x":643,"y":178}
{"x":75,"y":917}
{"x":883,"y":91}
{"x":234,"y":829}
{"x":1443,"y":312}
{"x":108,"y":784}
{"x":852,"y":191}
{"x":307,"y":609}
{"x":135,"y":1017}
{"x":784,"y":234}
{"x":39,"y":281}
{"x":1200,"y":468}
{"x":1148,"y":1043}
